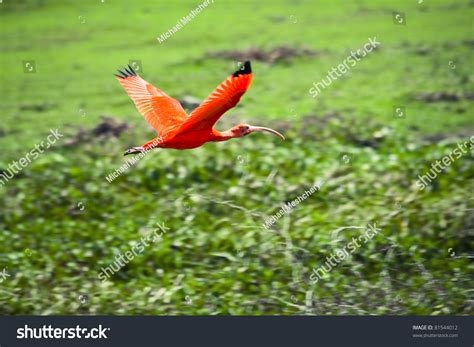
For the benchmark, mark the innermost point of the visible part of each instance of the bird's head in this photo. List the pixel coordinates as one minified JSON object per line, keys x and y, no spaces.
{"x":245,"y":129}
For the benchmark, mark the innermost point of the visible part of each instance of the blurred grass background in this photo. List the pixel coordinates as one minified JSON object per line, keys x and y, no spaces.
{"x":61,"y":221}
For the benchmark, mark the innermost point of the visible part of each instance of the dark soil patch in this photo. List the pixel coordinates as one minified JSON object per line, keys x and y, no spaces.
{"x":422,"y":51}
{"x":109,"y":127}
{"x":277,"y":19}
{"x":189,"y":102}
{"x":469,"y":43}
{"x":333,"y":124}
{"x":36,"y":107}
{"x":438,"y":137}
{"x":443,"y":96}
{"x":274,"y":55}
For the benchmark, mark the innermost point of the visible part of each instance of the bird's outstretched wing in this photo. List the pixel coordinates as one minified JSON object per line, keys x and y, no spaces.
{"x":161,"y":111}
{"x":223,"y":98}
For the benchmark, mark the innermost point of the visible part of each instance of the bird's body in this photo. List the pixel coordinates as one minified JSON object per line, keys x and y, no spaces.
{"x":177,"y":130}
{"x":189,"y":140}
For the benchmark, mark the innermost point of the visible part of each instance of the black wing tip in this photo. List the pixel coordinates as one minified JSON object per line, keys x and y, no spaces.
{"x":124,"y":73}
{"x":245,"y":69}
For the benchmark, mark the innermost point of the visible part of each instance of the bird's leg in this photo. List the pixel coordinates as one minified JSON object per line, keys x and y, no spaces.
{"x":134,"y":150}
{"x":155,"y":143}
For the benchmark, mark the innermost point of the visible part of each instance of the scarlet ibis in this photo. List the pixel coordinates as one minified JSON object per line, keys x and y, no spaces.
{"x":174,"y":127}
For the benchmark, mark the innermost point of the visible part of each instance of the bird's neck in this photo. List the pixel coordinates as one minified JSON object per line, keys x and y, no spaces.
{"x":218,"y":136}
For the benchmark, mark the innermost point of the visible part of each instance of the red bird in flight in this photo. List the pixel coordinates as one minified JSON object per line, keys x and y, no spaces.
{"x":174,"y":127}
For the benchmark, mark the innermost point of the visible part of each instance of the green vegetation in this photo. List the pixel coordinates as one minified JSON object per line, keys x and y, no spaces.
{"x":61,"y":221}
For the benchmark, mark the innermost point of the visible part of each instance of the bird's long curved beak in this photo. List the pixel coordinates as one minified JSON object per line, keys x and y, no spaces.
{"x":268,"y":130}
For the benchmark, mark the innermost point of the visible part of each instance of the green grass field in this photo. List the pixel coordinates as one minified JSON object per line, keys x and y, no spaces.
{"x":61,"y":221}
